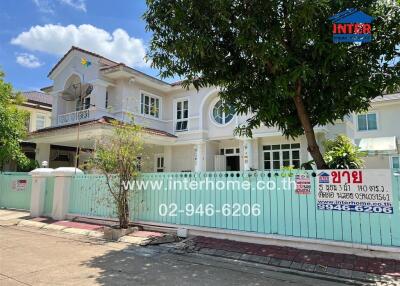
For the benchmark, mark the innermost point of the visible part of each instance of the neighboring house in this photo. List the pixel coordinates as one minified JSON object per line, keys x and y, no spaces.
{"x":38,"y":105}
{"x":184,"y":130}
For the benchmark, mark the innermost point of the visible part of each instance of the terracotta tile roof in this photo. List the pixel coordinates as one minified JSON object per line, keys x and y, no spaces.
{"x":38,"y":97}
{"x":387,"y":97}
{"x":102,"y":120}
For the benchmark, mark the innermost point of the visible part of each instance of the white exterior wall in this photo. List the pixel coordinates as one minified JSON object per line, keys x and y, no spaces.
{"x":124,"y":95}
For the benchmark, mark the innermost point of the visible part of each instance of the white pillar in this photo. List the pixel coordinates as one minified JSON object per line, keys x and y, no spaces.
{"x":167,"y":158}
{"x":256,"y":156}
{"x":248,"y":154}
{"x":62,"y":183}
{"x":199,"y":157}
{"x":42,"y":153}
{"x":39,"y":177}
{"x":54,"y":111}
{"x":98,"y":96}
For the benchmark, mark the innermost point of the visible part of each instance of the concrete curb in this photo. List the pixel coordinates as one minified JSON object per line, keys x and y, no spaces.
{"x":78,"y":231}
{"x":295,"y":267}
{"x":30,"y":223}
{"x":55,"y":227}
{"x":262,"y":266}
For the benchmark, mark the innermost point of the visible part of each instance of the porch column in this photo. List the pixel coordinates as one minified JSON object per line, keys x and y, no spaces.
{"x":256,"y":156}
{"x":168,"y":158}
{"x":199,"y":165}
{"x":42,"y":153}
{"x":99,"y":97}
{"x":54,"y":111}
{"x":248,"y":154}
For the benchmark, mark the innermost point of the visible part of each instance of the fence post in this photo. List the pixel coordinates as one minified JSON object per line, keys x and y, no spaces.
{"x":62,"y":183}
{"x":39,"y":176}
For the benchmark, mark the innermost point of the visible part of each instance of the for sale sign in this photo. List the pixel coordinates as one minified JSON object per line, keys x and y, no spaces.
{"x":303,"y":184}
{"x":19,"y":185}
{"x":368,"y":191}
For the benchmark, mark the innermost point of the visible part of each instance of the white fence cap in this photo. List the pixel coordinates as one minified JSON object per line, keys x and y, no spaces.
{"x":42,"y":172}
{"x":67,"y":172}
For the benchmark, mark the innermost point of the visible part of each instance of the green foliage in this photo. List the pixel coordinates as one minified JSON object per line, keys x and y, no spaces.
{"x":308,"y":165}
{"x":263,"y":53}
{"x":341,"y":153}
{"x":31,"y":165}
{"x":117,"y":156}
{"x":12,"y":126}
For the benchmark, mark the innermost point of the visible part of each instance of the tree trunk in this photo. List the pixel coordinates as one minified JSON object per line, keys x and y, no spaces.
{"x":313,"y":147}
{"x":123,"y":214}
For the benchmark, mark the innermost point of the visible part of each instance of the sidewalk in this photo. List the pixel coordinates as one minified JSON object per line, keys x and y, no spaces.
{"x":332,"y":264}
{"x":91,"y":228}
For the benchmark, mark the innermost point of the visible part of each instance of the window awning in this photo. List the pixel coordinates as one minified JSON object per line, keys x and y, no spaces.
{"x":380,"y":145}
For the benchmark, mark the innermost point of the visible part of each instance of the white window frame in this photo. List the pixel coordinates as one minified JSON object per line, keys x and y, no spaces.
{"x":156,"y":166}
{"x":176,"y":120}
{"x":235,"y":151}
{"x":211,"y":115}
{"x":368,"y":130}
{"x":80,"y":103}
{"x":36,"y":120}
{"x":150,"y":95}
{"x":391,"y":160}
{"x":271,"y":151}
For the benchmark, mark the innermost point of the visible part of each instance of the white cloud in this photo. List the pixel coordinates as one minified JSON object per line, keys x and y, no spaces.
{"x":28,"y":60}
{"x":57,"y":40}
{"x":77,"y":4}
{"x":47,"y":6}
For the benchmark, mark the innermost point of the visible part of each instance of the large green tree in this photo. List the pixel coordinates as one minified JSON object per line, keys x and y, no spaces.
{"x":276,"y":59}
{"x":12,"y":126}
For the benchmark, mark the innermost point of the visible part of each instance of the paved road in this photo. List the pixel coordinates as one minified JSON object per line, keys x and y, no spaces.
{"x":38,"y":257}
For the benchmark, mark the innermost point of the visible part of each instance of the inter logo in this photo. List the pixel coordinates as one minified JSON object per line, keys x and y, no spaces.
{"x":351,"y":26}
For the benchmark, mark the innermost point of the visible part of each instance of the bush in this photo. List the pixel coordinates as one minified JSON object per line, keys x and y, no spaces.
{"x":341,"y":153}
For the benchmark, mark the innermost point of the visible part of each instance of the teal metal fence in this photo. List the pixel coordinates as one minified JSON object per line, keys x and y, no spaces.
{"x":15,"y":190}
{"x":48,"y":196}
{"x":181,"y":199}
{"x":89,"y":197}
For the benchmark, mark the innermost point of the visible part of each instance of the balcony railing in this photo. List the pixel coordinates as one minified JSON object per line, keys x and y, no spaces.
{"x":75,"y":116}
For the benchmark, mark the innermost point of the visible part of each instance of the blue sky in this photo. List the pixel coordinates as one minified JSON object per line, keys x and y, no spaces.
{"x":35,"y":33}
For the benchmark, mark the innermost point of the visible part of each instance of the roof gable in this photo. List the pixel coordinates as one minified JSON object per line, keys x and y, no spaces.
{"x":103,"y":60}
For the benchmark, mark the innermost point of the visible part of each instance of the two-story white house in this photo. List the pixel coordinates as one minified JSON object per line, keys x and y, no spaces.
{"x":185,"y":129}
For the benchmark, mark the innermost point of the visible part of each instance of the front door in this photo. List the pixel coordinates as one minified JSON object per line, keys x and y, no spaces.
{"x":232,"y":163}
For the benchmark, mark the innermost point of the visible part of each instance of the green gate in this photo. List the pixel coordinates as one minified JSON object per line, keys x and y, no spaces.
{"x":15,"y":191}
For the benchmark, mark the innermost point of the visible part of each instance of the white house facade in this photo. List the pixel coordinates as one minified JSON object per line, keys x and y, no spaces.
{"x":186,"y":129}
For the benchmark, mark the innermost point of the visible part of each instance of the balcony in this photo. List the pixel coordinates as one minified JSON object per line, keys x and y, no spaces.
{"x":79,"y":116}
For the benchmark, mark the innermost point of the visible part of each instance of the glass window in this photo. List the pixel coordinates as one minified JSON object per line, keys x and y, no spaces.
{"x":28,"y":122}
{"x":40,"y":121}
{"x":159,"y":164}
{"x":367,"y":122}
{"x":222,"y":113}
{"x":182,"y":115}
{"x":278,"y":156}
{"x":106,"y":99}
{"x":396,"y":162}
{"x":150,"y":105}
